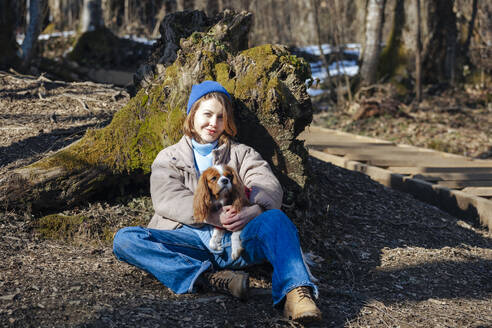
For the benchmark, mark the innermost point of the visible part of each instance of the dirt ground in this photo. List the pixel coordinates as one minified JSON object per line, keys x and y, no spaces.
{"x":384,"y":259}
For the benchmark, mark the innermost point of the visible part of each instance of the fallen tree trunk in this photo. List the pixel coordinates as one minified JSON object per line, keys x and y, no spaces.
{"x":270,"y":100}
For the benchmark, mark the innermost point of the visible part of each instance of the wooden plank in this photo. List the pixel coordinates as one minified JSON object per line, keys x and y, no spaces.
{"x":328,"y":134}
{"x":457,"y":176}
{"x":365,"y":149}
{"x":465,"y":183}
{"x":318,"y":136}
{"x":453,"y":201}
{"x":402,"y":159}
{"x":440,"y":169}
{"x":478,"y":191}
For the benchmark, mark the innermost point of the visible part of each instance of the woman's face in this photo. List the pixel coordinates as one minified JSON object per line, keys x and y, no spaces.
{"x":209,"y":120}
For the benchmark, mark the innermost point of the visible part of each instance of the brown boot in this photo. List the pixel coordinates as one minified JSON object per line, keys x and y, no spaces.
{"x":235,"y":283}
{"x":299,"y":306}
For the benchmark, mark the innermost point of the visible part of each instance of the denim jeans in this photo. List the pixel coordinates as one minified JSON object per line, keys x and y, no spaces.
{"x":178,"y":257}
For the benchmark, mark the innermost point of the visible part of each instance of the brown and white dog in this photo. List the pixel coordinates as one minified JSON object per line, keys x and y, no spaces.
{"x":219,"y":185}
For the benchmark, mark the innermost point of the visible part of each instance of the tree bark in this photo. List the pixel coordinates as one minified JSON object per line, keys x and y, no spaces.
{"x":439,"y":55}
{"x":374,"y":27}
{"x":57,"y":17}
{"x":471,"y":25}
{"x":418,"y":53}
{"x":271,"y":104}
{"x":8,"y":50}
{"x":92,"y":17}
{"x":126,"y":12}
{"x":37,"y":11}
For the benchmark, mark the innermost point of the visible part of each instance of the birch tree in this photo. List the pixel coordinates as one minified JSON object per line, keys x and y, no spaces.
{"x":92,"y":18}
{"x":374,"y":28}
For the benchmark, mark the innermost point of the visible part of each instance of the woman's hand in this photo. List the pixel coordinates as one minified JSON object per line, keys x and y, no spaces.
{"x":232,"y":220}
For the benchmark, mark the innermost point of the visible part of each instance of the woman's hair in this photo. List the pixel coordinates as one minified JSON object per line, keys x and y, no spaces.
{"x":230,"y":129}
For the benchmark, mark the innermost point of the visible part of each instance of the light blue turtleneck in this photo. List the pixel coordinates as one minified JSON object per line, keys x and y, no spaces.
{"x":203,"y":154}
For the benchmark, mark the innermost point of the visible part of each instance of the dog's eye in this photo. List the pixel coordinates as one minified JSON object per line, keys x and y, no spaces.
{"x":213,"y":178}
{"x":229,"y":176}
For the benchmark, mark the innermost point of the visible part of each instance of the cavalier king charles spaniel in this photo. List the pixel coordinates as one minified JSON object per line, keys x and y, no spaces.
{"x":219,"y":185}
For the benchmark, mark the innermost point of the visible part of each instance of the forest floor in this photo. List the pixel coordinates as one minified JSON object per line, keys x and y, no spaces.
{"x":453,"y":120}
{"x":384,"y":259}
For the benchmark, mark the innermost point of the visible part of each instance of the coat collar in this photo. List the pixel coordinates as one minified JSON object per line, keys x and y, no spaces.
{"x":185,"y":159}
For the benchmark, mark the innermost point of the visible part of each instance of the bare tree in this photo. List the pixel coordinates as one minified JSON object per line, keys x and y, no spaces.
{"x":471,"y":24}
{"x":37,"y":12}
{"x":92,"y":17}
{"x":418,"y":53}
{"x":8,"y":51}
{"x":374,"y":27}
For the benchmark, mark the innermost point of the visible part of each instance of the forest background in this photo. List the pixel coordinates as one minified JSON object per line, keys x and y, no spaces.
{"x":383,"y":257}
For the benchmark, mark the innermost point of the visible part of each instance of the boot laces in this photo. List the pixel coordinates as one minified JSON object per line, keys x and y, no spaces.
{"x":220,"y":282}
{"x":303,"y":292}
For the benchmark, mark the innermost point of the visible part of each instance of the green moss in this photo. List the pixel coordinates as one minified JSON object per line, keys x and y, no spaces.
{"x":393,"y":57}
{"x":144,"y":100}
{"x":301,"y":67}
{"x":58,"y":226}
{"x":153,"y":118}
{"x":50,"y":28}
{"x":263,"y":60}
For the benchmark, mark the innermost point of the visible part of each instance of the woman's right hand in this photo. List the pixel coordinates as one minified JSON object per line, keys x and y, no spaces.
{"x":227,"y":212}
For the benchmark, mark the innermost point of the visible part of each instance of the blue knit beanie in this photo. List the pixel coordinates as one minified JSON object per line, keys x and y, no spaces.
{"x":200,"y":90}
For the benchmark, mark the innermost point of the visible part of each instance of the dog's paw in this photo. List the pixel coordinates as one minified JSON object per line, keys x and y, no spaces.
{"x":215,"y":245}
{"x":236,"y":252}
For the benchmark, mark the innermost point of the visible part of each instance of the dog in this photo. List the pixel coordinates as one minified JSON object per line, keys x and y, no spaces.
{"x":218,"y":186}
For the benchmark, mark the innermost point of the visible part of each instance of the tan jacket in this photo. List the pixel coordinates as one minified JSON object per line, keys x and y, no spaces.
{"x":174,"y":179}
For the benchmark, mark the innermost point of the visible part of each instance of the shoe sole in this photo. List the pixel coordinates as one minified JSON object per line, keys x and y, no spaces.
{"x":308,"y":317}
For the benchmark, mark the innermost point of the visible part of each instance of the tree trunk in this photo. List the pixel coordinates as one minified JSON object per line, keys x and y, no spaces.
{"x":418,"y":53}
{"x":126,"y":12}
{"x":439,"y":44}
{"x":271,"y":105}
{"x":374,"y":28}
{"x":92,"y":17}
{"x":8,"y":50}
{"x":37,"y":11}
{"x":56,"y":14}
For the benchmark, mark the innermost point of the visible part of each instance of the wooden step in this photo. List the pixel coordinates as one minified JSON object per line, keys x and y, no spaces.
{"x":478,"y":191}
{"x":430,"y":175}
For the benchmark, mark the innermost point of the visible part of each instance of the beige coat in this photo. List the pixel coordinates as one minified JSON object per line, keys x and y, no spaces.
{"x":174,"y":179}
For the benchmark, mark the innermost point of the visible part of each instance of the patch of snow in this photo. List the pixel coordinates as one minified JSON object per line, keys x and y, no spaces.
{"x":140,"y":39}
{"x":347,"y":67}
{"x":315,"y":92}
{"x":314,"y":50}
{"x":20,"y":37}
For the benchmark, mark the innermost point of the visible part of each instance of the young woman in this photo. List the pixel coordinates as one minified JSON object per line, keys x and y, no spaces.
{"x":175,"y":249}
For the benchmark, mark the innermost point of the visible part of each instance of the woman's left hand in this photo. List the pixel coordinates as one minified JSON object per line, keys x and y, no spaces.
{"x":238,"y":220}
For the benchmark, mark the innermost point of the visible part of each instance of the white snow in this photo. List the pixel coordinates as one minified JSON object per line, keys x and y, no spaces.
{"x":347,"y":67}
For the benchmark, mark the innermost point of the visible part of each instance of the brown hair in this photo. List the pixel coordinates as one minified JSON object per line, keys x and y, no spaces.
{"x":230,"y":129}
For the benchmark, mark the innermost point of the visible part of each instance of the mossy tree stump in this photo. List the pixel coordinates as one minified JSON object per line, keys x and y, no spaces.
{"x":272,"y":107}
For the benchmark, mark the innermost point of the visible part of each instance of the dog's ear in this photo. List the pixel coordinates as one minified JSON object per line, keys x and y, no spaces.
{"x":202,"y":200}
{"x":238,"y":193}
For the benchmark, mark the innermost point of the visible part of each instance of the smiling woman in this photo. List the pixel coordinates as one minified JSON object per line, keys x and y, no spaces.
{"x":209,"y":114}
{"x":176,"y":246}
{"x":209,"y":120}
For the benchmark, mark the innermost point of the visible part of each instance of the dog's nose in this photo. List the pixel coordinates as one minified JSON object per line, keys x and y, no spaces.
{"x":224,"y":181}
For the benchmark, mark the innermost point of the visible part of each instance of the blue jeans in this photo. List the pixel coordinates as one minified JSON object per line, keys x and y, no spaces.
{"x":178,"y":257}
